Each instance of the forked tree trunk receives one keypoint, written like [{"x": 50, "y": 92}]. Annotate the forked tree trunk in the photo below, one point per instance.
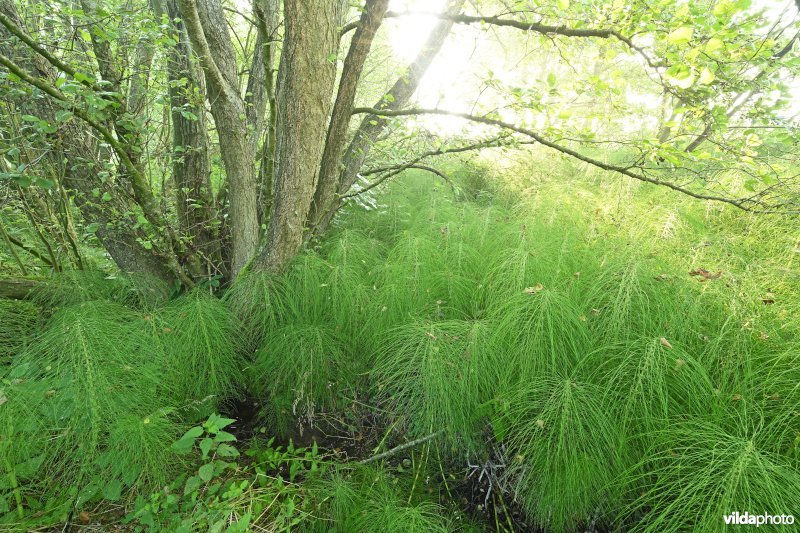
[
  {"x": 306, "y": 79},
  {"x": 207, "y": 28},
  {"x": 372, "y": 127},
  {"x": 371, "y": 19}
]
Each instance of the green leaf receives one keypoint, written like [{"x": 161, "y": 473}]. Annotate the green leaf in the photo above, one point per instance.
[
  {"x": 106, "y": 196},
  {"x": 224, "y": 436},
  {"x": 81, "y": 77},
  {"x": 551, "y": 80},
  {"x": 113, "y": 490},
  {"x": 206, "y": 472},
  {"x": 185, "y": 443},
  {"x": 44, "y": 183},
  {"x": 205, "y": 446},
  {"x": 192, "y": 484},
  {"x": 680, "y": 36},
  {"x": 713, "y": 45},
  {"x": 226, "y": 450},
  {"x": 706, "y": 77},
  {"x": 63, "y": 116},
  {"x": 563, "y": 4},
  {"x": 680, "y": 76},
  {"x": 92, "y": 228}
]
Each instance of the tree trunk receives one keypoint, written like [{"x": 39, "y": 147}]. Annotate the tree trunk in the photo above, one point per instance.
[
  {"x": 372, "y": 126},
  {"x": 267, "y": 17},
  {"x": 208, "y": 32},
  {"x": 190, "y": 167},
  {"x": 371, "y": 19},
  {"x": 306, "y": 80}
]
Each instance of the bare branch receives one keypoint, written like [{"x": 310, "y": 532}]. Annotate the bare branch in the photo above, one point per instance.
[
  {"x": 544, "y": 29},
  {"x": 400, "y": 448},
  {"x": 491, "y": 143},
  {"x": 626, "y": 171}
]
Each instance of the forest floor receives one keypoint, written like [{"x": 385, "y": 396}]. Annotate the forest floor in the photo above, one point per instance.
[{"x": 583, "y": 360}]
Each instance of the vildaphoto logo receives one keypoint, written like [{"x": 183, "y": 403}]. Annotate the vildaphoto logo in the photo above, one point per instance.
[{"x": 747, "y": 519}]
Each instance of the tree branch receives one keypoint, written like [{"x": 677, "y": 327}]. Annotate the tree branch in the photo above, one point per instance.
[
  {"x": 400, "y": 448},
  {"x": 544, "y": 29},
  {"x": 626, "y": 171},
  {"x": 492, "y": 143},
  {"x": 31, "y": 250},
  {"x": 194, "y": 28}
]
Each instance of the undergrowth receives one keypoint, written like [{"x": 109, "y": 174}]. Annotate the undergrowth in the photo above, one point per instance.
[{"x": 609, "y": 358}]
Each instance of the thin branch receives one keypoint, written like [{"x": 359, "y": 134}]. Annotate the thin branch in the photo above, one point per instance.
[
  {"x": 400, "y": 448},
  {"x": 626, "y": 171},
  {"x": 31, "y": 250},
  {"x": 491, "y": 143},
  {"x": 435, "y": 171},
  {"x": 537, "y": 27}
]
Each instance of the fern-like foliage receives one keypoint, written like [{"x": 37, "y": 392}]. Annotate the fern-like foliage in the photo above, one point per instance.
[
  {"x": 438, "y": 374},
  {"x": 565, "y": 450},
  {"x": 648, "y": 382},
  {"x": 73, "y": 393},
  {"x": 697, "y": 473},
  {"x": 541, "y": 330},
  {"x": 199, "y": 340},
  {"x": 76, "y": 286},
  {"x": 361, "y": 498},
  {"x": 17, "y": 322},
  {"x": 256, "y": 301},
  {"x": 299, "y": 371}
]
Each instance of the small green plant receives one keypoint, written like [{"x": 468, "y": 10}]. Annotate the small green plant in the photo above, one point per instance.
[
  {"x": 200, "y": 499},
  {"x": 299, "y": 370},
  {"x": 221, "y": 495},
  {"x": 437, "y": 374},
  {"x": 198, "y": 336},
  {"x": 696, "y": 473}
]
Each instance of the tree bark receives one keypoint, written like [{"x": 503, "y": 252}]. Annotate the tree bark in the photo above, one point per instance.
[
  {"x": 305, "y": 87},
  {"x": 267, "y": 13},
  {"x": 399, "y": 95},
  {"x": 371, "y": 19},
  {"x": 208, "y": 32},
  {"x": 190, "y": 167}
]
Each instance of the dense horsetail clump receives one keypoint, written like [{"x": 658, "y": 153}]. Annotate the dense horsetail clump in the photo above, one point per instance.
[{"x": 616, "y": 388}]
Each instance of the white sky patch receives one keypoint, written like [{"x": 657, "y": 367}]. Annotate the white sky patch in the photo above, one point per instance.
[
  {"x": 454, "y": 79},
  {"x": 443, "y": 84}
]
